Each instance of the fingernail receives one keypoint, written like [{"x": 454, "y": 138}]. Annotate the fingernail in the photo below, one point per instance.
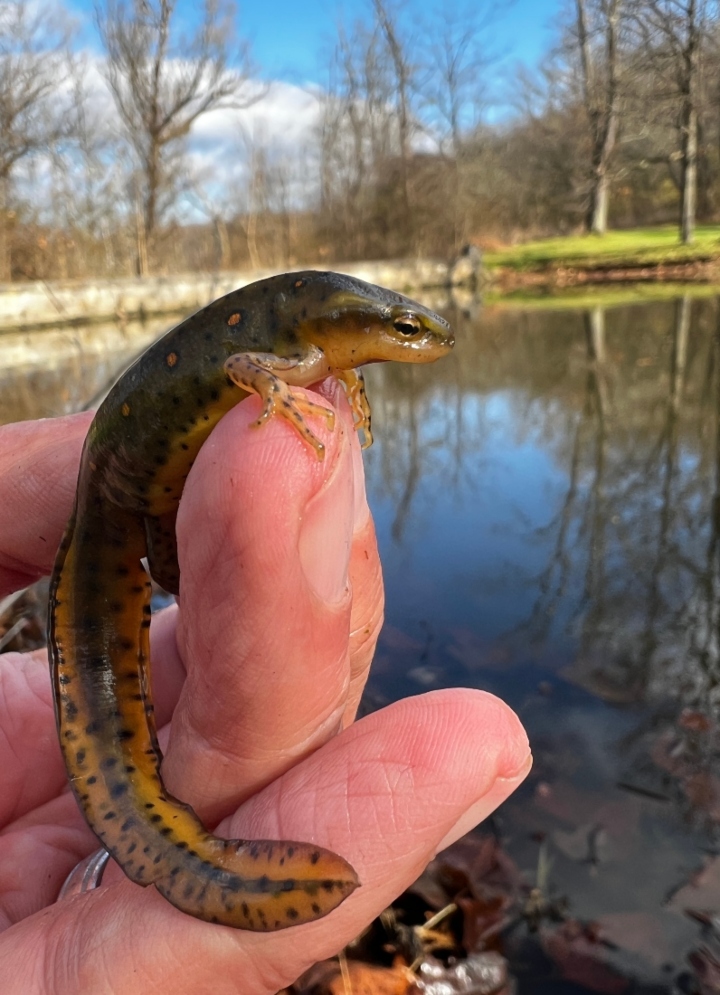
[
  {"x": 361, "y": 509},
  {"x": 327, "y": 528},
  {"x": 501, "y": 790}
]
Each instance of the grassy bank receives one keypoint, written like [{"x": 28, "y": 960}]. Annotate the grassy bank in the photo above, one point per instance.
[
  {"x": 637, "y": 247},
  {"x": 599, "y": 295}
]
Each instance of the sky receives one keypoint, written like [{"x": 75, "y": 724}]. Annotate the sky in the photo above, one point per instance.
[
  {"x": 291, "y": 43},
  {"x": 287, "y": 43},
  {"x": 290, "y": 40}
]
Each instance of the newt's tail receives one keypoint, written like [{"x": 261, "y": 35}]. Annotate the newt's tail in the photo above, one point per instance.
[{"x": 99, "y": 646}]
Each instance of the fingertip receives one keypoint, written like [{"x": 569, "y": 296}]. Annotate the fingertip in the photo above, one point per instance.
[
  {"x": 493, "y": 724},
  {"x": 464, "y": 729}
]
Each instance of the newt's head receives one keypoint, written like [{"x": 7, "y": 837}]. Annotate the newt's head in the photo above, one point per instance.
[{"x": 354, "y": 322}]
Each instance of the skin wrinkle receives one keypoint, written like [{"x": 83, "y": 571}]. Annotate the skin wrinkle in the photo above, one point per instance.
[
  {"x": 7, "y": 743},
  {"x": 59, "y": 811},
  {"x": 215, "y": 738},
  {"x": 48, "y": 847},
  {"x": 426, "y": 759},
  {"x": 18, "y": 684},
  {"x": 221, "y": 758},
  {"x": 291, "y": 795},
  {"x": 168, "y": 961}
]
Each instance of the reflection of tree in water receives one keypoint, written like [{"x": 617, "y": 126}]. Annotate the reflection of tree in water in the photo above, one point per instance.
[
  {"x": 430, "y": 420},
  {"x": 627, "y": 404},
  {"x": 419, "y": 421},
  {"x": 668, "y": 539},
  {"x": 51, "y": 372},
  {"x": 633, "y": 568},
  {"x": 612, "y": 566}
]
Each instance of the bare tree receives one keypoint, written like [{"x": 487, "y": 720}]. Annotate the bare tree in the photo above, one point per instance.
[
  {"x": 359, "y": 144},
  {"x": 454, "y": 87},
  {"x": 601, "y": 95},
  {"x": 34, "y": 66},
  {"x": 673, "y": 33},
  {"x": 162, "y": 84},
  {"x": 404, "y": 80}
]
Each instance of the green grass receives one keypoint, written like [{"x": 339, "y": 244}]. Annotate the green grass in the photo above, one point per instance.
[
  {"x": 605, "y": 296},
  {"x": 638, "y": 246}
]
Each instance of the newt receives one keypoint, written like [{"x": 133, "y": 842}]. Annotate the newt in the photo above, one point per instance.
[{"x": 267, "y": 338}]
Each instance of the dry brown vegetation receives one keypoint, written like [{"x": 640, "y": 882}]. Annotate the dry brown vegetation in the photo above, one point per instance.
[{"x": 620, "y": 127}]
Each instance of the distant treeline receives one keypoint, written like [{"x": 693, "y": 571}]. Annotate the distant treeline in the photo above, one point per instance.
[{"x": 619, "y": 127}]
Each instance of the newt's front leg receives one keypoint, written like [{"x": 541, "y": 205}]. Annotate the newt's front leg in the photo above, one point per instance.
[{"x": 261, "y": 373}]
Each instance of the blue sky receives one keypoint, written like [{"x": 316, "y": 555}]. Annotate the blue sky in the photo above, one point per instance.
[
  {"x": 289, "y": 37},
  {"x": 285, "y": 42}
]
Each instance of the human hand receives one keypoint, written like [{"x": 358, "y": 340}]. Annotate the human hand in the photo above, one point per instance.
[{"x": 260, "y": 668}]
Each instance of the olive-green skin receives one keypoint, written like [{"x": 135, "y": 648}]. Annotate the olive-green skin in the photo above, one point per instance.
[{"x": 137, "y": 455}]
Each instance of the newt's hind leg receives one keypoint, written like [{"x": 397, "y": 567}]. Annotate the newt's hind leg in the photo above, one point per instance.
[{"x": 249, "y": 372}]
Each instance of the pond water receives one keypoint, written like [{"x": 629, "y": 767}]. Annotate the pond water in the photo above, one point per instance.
[{"x": 548, "y": 508}]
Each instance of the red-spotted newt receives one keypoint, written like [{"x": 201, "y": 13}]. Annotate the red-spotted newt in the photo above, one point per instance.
[{"x": 287, "y": 331}]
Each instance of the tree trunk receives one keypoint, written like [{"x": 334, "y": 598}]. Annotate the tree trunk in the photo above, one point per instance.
[
  {"x": 141, "y": 258},
  {"x": 599, "y": 204},
  {"x": 402, "y": 83},
  {"x": 602, "y": 110},
  {"x": 5, "y": 267},
  {"x": 223, "y": 242},
  {"x": 689, "y": 125},
  {"x": 689, "y": 172}
]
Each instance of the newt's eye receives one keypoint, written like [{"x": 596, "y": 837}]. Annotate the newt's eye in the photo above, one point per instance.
[{"x": 408, "y": 324}]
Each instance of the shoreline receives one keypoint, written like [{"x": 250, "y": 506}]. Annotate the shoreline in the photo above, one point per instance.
[
  {"x": 503, "y": 279},
  {"x": 531, "y": 269},
  {"x": 32, "y": 306}
]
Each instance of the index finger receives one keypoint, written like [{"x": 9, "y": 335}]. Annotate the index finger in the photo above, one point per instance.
[{"x": 39, "y": 462}]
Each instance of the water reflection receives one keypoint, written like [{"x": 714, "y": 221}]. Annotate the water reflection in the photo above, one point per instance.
[
  {"x": 548, "y": 503},
  {"x": 569, "y": 464},
  {"x": 57, "y": 371}
]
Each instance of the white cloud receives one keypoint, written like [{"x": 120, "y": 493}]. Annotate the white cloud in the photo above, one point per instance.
[
  {"x": 281, "y": 122},
  {"x": 283, "y": 117}
]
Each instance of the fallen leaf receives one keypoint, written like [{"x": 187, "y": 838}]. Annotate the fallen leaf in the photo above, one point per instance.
[
  {"x": 702, "y": 890},
  {"x": 579, "y": 957}
]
